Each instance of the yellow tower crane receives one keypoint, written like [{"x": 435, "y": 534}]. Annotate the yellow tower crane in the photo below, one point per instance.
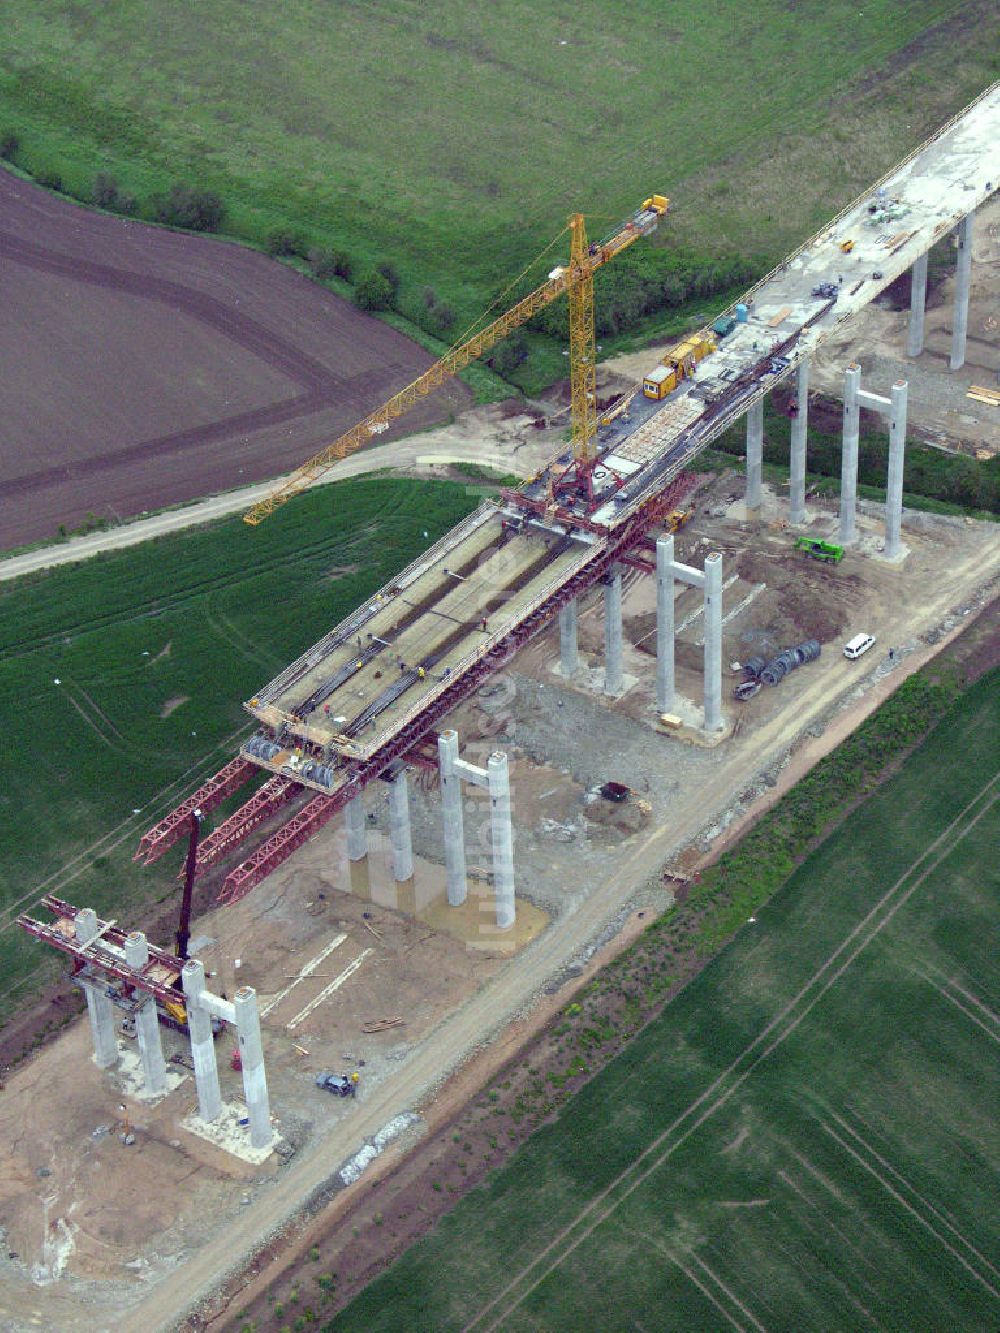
[{"x": 576, "y": 279}]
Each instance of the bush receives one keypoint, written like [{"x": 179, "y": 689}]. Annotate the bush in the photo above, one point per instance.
[
  {"x": 194, "y": 210},
  {"x": 49, "y": 179},
  {"x": 509, "y": 354},
  {"x": 329, "y": 263},
  {"x": 442, "y": 317},
  {"x": 374, "y": 291},
  {"x": 284, "y": 242},
  {"x": 390, "y": 273},
  {"x": 105, "y": 193},
  {"x": 9, "y": 144}
]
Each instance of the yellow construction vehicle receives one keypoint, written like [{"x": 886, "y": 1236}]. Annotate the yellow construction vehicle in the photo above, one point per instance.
[
  {"x": 678, "y": 518},
  {"x": 576, "y": 280}
]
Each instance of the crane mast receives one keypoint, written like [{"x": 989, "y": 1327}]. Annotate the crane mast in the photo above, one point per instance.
[
  {"x": 577, "y": 280},
  {"x": 582, "y": 346}
]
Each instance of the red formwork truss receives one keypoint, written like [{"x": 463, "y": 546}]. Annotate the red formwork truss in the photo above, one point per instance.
[
  {"x": 159, "y": 839},
  {"x": 311, "y": 818},
  {"x": 268, "y": 800}
]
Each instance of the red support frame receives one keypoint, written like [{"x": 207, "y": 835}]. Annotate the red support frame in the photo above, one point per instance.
[
  {"x": 91, "y": 955},
  {"x": 162, "y": 836}
]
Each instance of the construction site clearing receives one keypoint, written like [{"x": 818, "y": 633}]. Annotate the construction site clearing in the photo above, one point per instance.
[
  {"x": 339, "y": 952},
  {"x": 379, "y": 964}
]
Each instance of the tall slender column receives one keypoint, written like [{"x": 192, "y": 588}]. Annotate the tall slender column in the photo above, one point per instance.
[
  {"x": 100, "y": 1010},
  {"x": 849, "y": 457},
  {"x": 963, "y": 277},
  {"x": 713, "y": 641},
  {"x": 357, "y": 829},
  {"x": 918, "y": 297},
  {"x": 894, "y": 486},
  {"x": 755, "y": 454},
  {"x": 613, "y": 671},
  {"x": 252, "y": 1061},
  {"x": 399, "y": 828},
  {"x": 665, "y": 679},
  {"x": 797, "y": 461},
  {"x": 501, "y": 837},
  {"x": 453, "y": 818},
  {"x": 569, "y": 653},
  {"x": 147, "y": 1026},
  {"x": 206, "y": 1073}
]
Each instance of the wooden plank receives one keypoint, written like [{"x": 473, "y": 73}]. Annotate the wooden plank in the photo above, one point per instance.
[
  {"x": 780, "y": 317},
  {"x": 993, "y": 395}
]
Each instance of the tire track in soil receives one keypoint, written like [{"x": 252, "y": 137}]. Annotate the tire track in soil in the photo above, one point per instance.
[
  {"x": 321, "y": 387},
  {"x": 600, "y": 1208}
]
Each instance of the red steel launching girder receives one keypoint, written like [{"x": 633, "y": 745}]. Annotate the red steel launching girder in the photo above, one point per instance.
[
  {"x": 279, "y": 846},
  {"x": 61, "y": 935},
  {"x": 311, "y": 818},
  {"x": 276, "y": 792},
  {"x": 157, "y": 840}
]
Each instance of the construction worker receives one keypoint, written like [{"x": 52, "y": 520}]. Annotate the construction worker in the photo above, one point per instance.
[
  {"x": 421, "y": 673},
  {"x": 355, "y": 1080}
]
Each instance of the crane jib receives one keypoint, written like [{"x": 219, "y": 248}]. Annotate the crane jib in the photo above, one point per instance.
[{"x": 575, "y": 275}]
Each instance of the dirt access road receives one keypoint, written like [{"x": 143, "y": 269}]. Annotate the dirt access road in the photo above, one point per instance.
[
  {"x": 144, "y": 367},
  {"x": 488, "y": 436}
]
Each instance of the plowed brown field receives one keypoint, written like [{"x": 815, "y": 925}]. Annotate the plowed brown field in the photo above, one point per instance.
[{"x": 141, "y": 367}]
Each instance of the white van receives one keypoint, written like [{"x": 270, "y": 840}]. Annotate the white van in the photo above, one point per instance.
[{"x": 854, "y": 648}]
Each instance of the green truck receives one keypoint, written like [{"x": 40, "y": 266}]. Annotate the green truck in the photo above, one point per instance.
[{"x": 819, "y": 550}]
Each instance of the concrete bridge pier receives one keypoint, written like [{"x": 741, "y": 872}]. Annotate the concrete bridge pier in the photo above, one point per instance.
[
  {"x": 797, "y": 460},
  {"x": 665, "y": 675},
  {"x": 849, "y": 457},
  {"x": 894, "y": 485},
  {"x": 709, "y": 581},
  {"x": 893, "y": 407},
  {"x": 713, "y": 642},
  {"x": 963, "y": 281},
  {"x": 755, "y": 455},
  {"x": 918, "y": 297},
  {"x": 357, "y": 829},
  {"x": 453, "y": 818},
  {"x": 147, "y": 1025},
  {"x": 399, "y": 828},
  {"x": 613, "y": 667},
  {"x": 501, "y": 835},
  {"x": 252, "y": 1060},
  {"x": 569, "y": 653},
  {"x": 100, "y": 1010},
  {"x": 495, "y": 778},
  {"x": 206, "y": 1071}
]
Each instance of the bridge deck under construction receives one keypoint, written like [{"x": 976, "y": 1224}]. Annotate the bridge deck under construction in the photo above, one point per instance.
[
  {"x": 352, "y": 691},
  {"x": 377, "y": 684}
]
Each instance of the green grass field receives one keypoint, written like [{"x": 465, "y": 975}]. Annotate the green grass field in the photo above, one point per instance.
[
  {"x": 154, "y": 649},
  {"x": 454, "y": 140},
  {"x": 806, "y": 1138}
]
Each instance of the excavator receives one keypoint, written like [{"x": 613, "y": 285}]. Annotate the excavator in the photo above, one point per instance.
[{"x": 576, "y": 280}]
